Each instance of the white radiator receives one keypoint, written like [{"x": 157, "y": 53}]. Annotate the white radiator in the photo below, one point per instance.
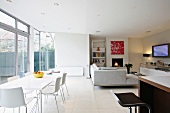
[{"x": 71, "y": 71}]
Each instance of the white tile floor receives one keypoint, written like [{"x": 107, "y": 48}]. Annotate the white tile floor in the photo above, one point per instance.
[{"x": 84, "y": 99}]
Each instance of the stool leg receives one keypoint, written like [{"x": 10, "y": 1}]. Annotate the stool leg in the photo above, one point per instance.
[
  {"x": 135, "y": 109},
  {"x": 130, "y": 109}
]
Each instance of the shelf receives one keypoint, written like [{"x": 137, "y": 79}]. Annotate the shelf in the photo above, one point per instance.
[
  {"x": 99, "y": 52},
  {"x": 98, "y": 57}
]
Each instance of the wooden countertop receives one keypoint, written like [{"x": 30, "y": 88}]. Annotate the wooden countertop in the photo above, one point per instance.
[{"x": 161, "y": 82}]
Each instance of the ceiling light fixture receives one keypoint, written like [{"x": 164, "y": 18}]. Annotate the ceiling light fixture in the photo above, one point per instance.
[
  {"x": 8, "y": 0},
  {"x": 147, "y": 31},
  {"x": 68, "y": 28},
  {"x": 43, "y": 13},
  {"x": 56, "y": 4}
]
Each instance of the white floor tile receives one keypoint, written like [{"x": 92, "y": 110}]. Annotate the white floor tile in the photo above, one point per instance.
[{"x": 84, "y": 99}]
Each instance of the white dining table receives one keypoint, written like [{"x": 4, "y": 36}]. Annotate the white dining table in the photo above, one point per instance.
[{"x": 32, "y": 83}]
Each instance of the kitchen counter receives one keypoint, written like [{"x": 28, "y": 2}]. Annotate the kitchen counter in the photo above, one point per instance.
[{"x": 155, "y": 90}]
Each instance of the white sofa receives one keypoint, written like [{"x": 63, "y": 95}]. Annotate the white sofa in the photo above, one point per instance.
[{"x": 110, "y": 76}]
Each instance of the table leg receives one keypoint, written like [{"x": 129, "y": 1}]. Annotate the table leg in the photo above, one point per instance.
[{"x": 40, "y": 101}]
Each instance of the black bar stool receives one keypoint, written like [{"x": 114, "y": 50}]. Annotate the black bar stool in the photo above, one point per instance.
[{"x": 130, "y": 100}]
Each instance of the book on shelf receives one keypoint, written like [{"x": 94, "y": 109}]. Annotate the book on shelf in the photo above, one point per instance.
[
  {"x": 102, "y": 55},
  {"x": 94, "y": 55},
  {"x": 97, "y": 54}
]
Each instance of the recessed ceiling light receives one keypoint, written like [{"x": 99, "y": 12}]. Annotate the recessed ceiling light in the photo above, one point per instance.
[
  {"x": 8, "y": 0},
  {"x": 147, "y": 31},
  {"x": 43, "y": 13},
  {"x": 149, "y": 15},
  {"x": 56, "y": 4},
  {"x": 97, "y": 31},
  {"x": 68, "y": 28},
  {"x": 133, "y": 7}
]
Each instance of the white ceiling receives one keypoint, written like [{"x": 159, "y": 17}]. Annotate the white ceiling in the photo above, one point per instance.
[{"x": 113, "y": 18}]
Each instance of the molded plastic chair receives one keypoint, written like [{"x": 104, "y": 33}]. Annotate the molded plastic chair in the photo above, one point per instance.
[
  {"x": 53, "y": 90},
  {"x": 13, "y": 78},
  {"x": 14, "y": 97},
  {"x": 64, "y": 82},
  {"x": 28, "y": 74}
]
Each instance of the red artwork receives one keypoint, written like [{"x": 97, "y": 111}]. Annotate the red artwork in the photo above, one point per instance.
[{"x": 117, "y": 47}]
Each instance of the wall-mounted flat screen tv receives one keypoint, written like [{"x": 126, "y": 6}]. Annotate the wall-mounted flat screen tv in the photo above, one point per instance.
[{"x": 161, "y": 50}]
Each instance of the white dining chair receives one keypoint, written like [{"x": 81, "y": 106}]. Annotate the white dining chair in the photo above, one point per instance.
[
  {"x": 64, "y": 82},
  {"x": 28, "y": 74},
  {"x": 18, "y": 77},
  {"x": 53, "y": 90},
  {"x": 13, "y": 78},
  {"x": 14, "y": 97}
]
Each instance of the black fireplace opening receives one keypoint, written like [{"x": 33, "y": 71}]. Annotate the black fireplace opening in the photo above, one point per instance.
[{"x": 117, "y": 62}]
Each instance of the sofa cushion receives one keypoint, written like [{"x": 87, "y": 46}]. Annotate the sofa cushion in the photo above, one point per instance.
[
  {"x": 131, "y": 79},
  {"x": 95, "y": 66},
  {"x": 108, "y": 68}
]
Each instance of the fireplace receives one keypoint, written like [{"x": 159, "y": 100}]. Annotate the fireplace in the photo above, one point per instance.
[{"x": 117, "y": 62}]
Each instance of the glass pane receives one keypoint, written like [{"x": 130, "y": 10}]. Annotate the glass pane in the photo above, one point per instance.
[
  {"x": 22, "y": 55},
  {"x": 36, "y": 40},
  {"x": 43, "y": 51},
  {"x": 47, "y": 51},
  {"x": 22, "y": 26},
  {"x": 7, "y": 53},
  {"x": 7, "y": 19},
  {"x": 36, "y": 50}
]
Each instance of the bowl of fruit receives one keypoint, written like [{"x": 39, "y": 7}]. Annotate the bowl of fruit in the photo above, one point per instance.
[{"x": 38, "y": 74}]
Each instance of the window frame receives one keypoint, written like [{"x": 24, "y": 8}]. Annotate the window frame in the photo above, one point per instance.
[{"x": 17, "y": 32}]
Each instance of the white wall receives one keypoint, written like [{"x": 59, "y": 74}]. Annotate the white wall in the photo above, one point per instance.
[
  {"x": 160, "y": 38},
  {"x": 135, "y": 52},
  {"x": 72, "y": 50},
  {"x": 108, "y": 51}
]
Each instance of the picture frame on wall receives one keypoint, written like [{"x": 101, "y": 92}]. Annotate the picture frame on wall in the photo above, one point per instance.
[{"x": 117, "y": 47}]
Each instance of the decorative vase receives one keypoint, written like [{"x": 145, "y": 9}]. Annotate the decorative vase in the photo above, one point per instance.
[
  {"x": 128, "y": 70},
  {"x": 98, "y": 49}
]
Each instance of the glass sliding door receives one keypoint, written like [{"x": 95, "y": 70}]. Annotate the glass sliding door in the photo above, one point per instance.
[
  {"x": 36, "y": 50},
  {"x": 22, "y": 55},
  {"x": 44, "y": 52},
  {"x": 14, "y": 35},
  {"x": 7, "y": 53},
  {"x": 47, "y": 51}
]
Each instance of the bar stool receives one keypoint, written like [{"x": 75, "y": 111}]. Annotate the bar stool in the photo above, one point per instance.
[{"x": 130, "y": 100}]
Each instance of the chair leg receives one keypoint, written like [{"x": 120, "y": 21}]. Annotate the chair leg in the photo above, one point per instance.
[
  {"x": 66, "y": 89},
  {"x": 130, "y": 109},
  {"x": 56, "y": 102},
  {"x": 135, "y": 109},
  {"x": 62, "y": 96},
  {"x": 25, "y": 108},
  {"x": 4, "y": 110},
  {"x": 63, "y": 93}
]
